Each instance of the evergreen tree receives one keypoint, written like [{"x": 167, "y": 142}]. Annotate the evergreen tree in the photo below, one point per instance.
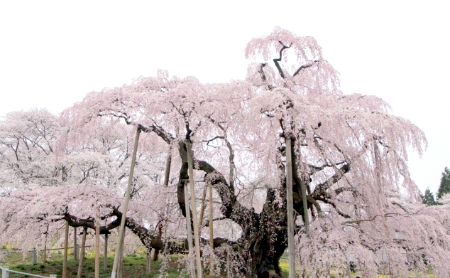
[
  {"x": 428, "y": 198},
  {"x": 445, "y": 183}
]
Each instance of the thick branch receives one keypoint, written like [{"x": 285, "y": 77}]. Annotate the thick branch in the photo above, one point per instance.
[
  {"x": 230, "y": 207},
  {"x": 167, "y": 137},
  {"x": 350, "y": 189},
  {"x": 89, "y": 223},
  {"x": 334, "y": 206},
  {"x": 144, "y": 234},
  {"x": 261, "y": 72},
  {"x": 276, "y": 60},
  {"x": 304, "y": 67},
  {"x": 391, "y": 214},
  {"x": 321, "y": 189}
]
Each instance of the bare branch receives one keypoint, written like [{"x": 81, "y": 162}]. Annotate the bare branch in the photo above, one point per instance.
[
  {"x": 261, "y": 72},
  {"x": 215, "y": 219},
  {"x": 389, "y": 214},
  {"x": 334, "y": 206},
  {"x": 321, "y": 188},
  {"x": 276, "y": 60},
  {"x": 210, "y": 140},
  {"x": 304, "y": 67},
  {"x": 343, "y": 189}
]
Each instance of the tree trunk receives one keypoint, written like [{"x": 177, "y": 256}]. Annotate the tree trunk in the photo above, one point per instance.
[
  {"x": 264, "y": 236},
  {"x": 265, "y": 239}
]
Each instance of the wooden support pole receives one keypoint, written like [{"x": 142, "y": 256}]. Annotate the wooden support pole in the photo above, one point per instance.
[
  {"x": 164, "y": 217},
  {"x": 105, "y": 252},
  {"x": 228, "y": 262},
  {"x": 202, "y": 208},
  {"x": 148, "y": 265},
  {"x": 305, "y": 206},
  {"x": 75, "y": 246},
  {"x": 66, "y": 243},
  {"x": 34, "y": 256},
  {"x": 290, "y": 208},
  {"x": 125, "y": 206},
  {"x": 97, "y": 245},
  {"x": 189, "y": 231},
  {"x": 194, "y": 209},
  {"x": 120, "y": 266},
  {"x": 211, "y": 230},
  {"x": 167, "y": 170},
  {"x": 83, "y": 246},
  {"x": 45, "y": 248}
]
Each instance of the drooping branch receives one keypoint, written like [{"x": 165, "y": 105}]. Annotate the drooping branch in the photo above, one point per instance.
[{"x": 316, "y": 205}]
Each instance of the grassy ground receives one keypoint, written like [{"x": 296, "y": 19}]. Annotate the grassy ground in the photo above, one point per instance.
[{"x": 134, "y": 266}]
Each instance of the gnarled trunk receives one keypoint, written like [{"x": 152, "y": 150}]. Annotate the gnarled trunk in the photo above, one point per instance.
[{"x": 264, "y": 237}]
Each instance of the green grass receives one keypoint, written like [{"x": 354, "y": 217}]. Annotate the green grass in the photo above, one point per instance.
[{"x": 134, "y": 266}]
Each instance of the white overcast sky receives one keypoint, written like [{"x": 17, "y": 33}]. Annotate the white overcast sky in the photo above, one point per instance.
[{"x": 54, "y": 52}]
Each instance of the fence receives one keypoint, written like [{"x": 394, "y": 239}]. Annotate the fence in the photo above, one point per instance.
[{"x": 6, "y": 271}]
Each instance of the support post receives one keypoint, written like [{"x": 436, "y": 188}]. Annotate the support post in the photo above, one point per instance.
[
  {"x": 189, "y": 232},
  {"x": 75, "y": 245},
  {"x": 290, "y": 210},
  {"x": 228, "y": 262},
  {"x": 97, "y": 245},
  {"x": 66, "y": 243},
  {"x": 105, "y": 252},
  {"x": 120, "y": 266},
  {"x": 202, "y": 208},
  {"x": 162, "y": 221},
  {"x": 45, "y": 250},
  {"x": 211, "y": 230},
  {"x": 148, "y": 265},
  {"x": 83, "y": 246},
  {"x": 125, "y": 206},
  {"x": 194, "y": 209},
  {"x": 34, "y": 257}
]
